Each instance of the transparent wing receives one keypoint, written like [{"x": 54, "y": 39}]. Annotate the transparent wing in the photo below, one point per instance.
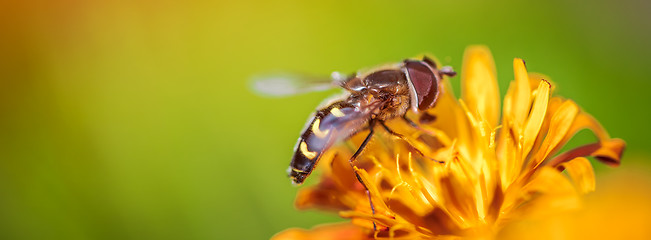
[{"x": 285, "y": 84}]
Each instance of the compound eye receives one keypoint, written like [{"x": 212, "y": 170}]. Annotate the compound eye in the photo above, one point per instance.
[{"x": 423, "y": 84}]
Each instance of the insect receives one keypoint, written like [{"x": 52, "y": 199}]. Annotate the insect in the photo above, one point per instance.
[{"x": 371, "y": 98}]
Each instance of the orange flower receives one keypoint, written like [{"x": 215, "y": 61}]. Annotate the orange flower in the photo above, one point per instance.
[{"x": 494, "y": 172}]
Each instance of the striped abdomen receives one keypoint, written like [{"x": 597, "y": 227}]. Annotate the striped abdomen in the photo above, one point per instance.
[{"x": 336, "y": 122}]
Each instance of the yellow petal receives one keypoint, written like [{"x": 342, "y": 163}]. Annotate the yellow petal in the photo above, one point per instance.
[
  {"x": 535, "y": 78},
  {"x": 479, "y": 87},
  {"x": 507, "y": 143},
  {"x": 457, "y": 187},
  {"x": 559, "y": 126},
  {"x": 549, "y": 192},
  {"x": 609, "y": 152},
  {"x": 449, "y": 116},
  {"x": 367, "y": 219},
  {"x": 536, "y": 117},
  {"x": 496, "y": 203},
  {"x": 564, "y": 124},
  {"x": 583, "y": 121},
  {"x": 619, "y": 209},
  {"x": 580, "y": 170},
  {"x": 521, "y": 102},
  {"x": 338, "y": 170},
  {"x": 376, "y": 197},
  {"x": 332, "y": 193},
  {"x": 552, "y": 107}
]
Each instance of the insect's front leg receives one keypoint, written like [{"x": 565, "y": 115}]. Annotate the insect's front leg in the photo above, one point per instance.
[
  {"x": 354, "y": 158},
  {"x": 425, "y": 118},
  {"x": 402, "y": 137},
  {"x": 410, "y": 122},
  {"x": 371, "y": 126}
]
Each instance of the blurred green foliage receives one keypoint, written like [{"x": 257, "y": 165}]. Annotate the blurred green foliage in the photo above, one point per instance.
[{"x": 133, "y": 119}]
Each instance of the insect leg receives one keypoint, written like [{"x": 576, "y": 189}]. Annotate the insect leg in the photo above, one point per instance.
[
  {"x": 416, "y": 126},
  {"x": 368, "y": 194},
  {"x": 398, "y": 135},
  {"x": 359, "y": 178},
  {"x": 410, "y": 122},
  {"x": 363, "y": 145}
]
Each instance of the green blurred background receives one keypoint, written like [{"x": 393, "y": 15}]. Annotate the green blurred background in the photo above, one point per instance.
[{"x": 133, "y": 119}]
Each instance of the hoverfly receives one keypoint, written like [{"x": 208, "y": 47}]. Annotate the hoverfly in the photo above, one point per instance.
[{"x": 371, "y": 98}]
